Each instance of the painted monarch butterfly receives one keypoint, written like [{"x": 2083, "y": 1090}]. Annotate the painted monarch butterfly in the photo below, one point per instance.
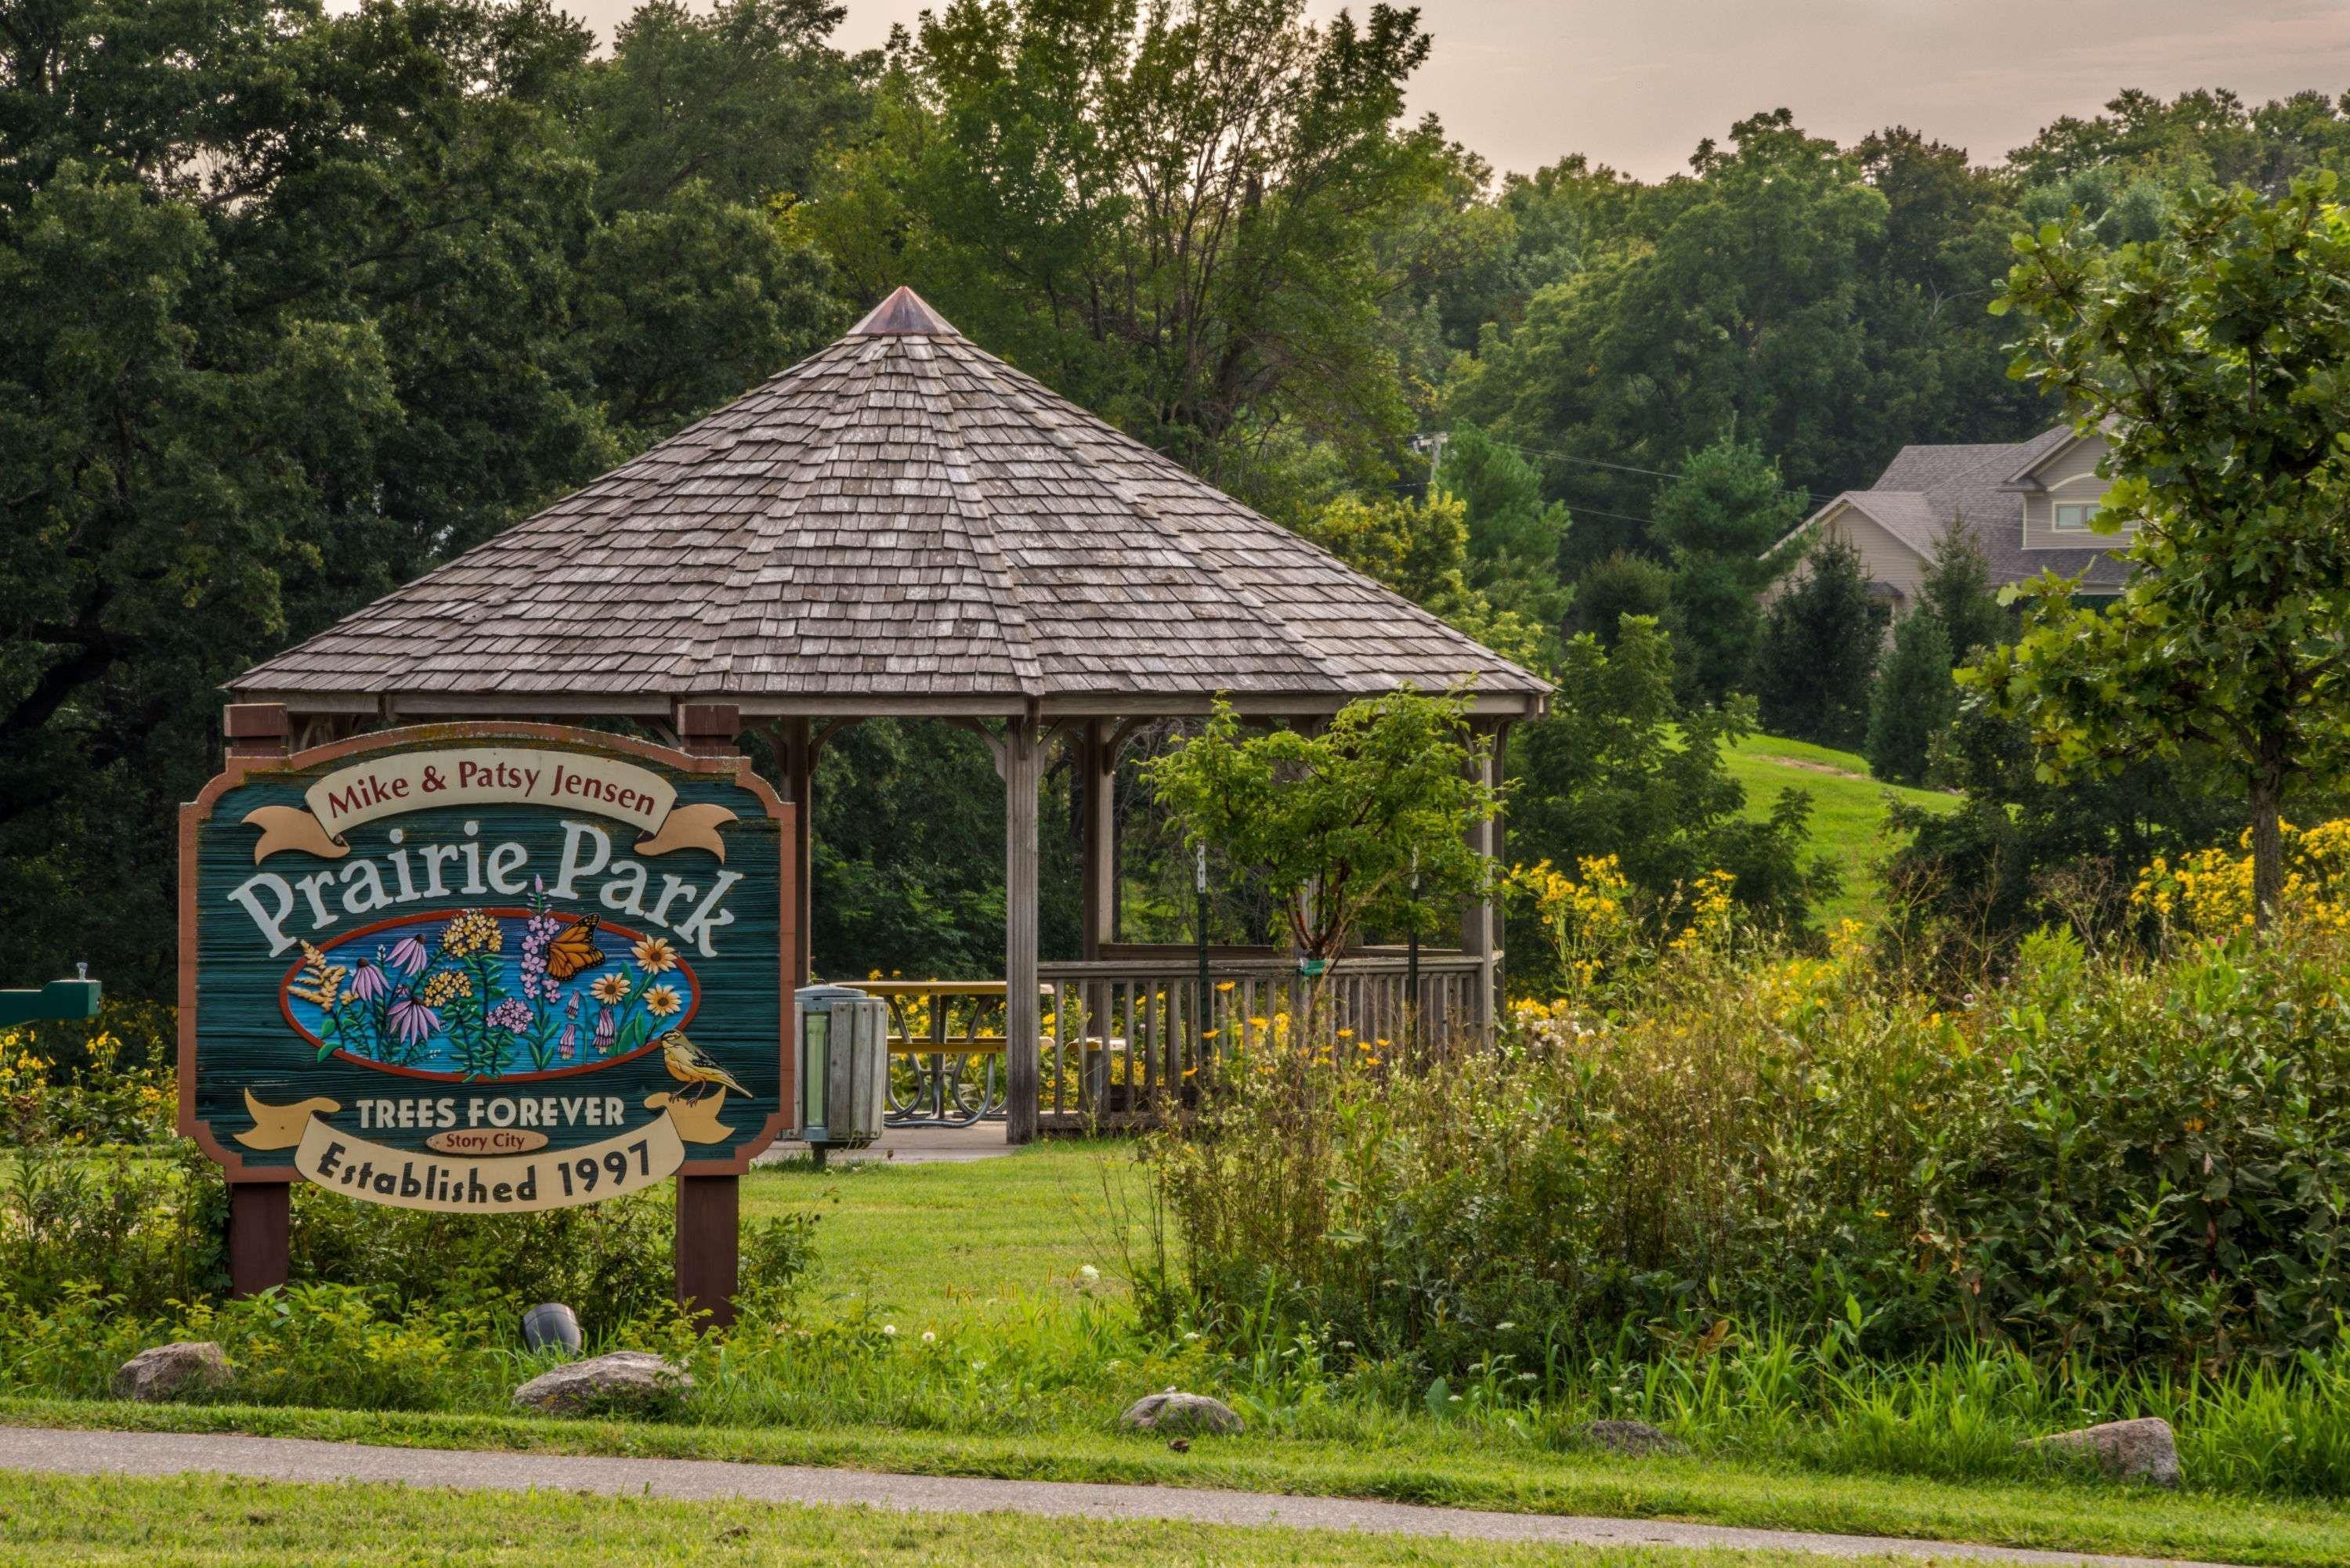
[{"x": 573, "y": 949}]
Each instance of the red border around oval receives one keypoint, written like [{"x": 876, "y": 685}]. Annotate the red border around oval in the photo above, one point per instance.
[{"x": 503, "y": 911}]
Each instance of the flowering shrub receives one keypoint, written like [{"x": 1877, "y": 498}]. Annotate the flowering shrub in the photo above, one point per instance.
[
  {"x": 2208, "y": 892},
  {"x": 118, "y": 1087},
  {"x": 2124, "y": 1160}
]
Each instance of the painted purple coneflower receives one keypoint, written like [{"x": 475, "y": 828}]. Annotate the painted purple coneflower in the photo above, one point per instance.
[
  {"x": 409, "y": 956},
  {"x": 368, "y": 983},
  {"x": 411, "y": 1020}
]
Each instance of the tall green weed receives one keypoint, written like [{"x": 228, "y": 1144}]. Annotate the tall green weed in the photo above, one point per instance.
[{"x": 2126, "y": 1162}]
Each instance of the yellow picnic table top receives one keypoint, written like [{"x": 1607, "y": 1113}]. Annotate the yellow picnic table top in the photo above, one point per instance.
[
  {"x": 904, "y": 1044},
  {"x": 892, "y": 988}
]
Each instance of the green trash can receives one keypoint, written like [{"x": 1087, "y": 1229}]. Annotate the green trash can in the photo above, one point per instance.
[{"x": 844, "y": 1068}]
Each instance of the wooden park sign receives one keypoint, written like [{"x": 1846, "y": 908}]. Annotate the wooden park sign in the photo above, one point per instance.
[{"x": 484, "y": 968}]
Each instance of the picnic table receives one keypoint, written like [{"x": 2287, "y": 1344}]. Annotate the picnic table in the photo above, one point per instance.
[{"x": 946, "y": 1065}]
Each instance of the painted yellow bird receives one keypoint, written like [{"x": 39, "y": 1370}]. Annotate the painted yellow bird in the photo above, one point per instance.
[{"x": 690, "y": 1065}]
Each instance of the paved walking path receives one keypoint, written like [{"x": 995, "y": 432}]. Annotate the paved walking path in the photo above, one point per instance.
[{"x": 302, "y": 1459}]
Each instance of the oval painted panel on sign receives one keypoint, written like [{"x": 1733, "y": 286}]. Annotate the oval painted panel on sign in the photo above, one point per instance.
[{"x": 489, "y": 994}]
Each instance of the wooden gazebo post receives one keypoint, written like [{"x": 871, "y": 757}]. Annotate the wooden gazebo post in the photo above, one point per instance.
[{"x": 1022, "y": 753}]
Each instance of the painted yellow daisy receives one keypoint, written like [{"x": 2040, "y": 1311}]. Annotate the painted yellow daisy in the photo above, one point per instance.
[
  {"x": 654, "y": 955},
  {"x": 609, "y": 989},
  {"x": 663, "y": 1000}
]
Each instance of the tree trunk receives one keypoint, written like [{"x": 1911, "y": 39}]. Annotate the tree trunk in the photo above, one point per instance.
[{"x": 2268, "y": 848}]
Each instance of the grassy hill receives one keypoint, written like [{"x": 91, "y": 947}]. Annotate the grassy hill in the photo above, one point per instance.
[{"x": 1847, "y": 809}]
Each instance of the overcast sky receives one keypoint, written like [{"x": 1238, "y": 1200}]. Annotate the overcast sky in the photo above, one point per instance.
[{"x": 1635, "y": 83}]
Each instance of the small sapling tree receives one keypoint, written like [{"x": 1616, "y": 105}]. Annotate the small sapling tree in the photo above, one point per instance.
[
  {"x": 1340, "y": 823},
  {"x": 2218, "y": 358}
]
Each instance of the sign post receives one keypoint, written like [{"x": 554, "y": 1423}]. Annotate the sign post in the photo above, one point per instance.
[{"x": 487, "y": 968}]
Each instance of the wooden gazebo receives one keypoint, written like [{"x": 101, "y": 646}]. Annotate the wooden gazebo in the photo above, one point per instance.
[{"x": 900, "y": 525}]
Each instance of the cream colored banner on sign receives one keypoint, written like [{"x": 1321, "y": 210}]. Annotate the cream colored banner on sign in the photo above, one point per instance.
[
  {"x": 487, "y": 775},
  {"x": 512, "y": 1184}
]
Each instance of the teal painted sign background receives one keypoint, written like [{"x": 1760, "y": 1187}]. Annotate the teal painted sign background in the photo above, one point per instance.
[{"x": 519, "y": 957}]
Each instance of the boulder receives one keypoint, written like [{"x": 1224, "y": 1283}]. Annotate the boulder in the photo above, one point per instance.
[
  {"x": 1634, "y": 1439},
  {"x": 166, "y": 1372},
  {"x": 624, "y": 1380},
  {"x": 2144, "y": 1449},
  {"x": 1180, "y": 1414}
]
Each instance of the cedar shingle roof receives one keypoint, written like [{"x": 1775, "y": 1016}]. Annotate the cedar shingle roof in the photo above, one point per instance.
[{"x": 899, "y": 517}]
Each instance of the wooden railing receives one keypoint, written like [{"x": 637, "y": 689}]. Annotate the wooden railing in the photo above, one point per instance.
[{"x": 1127, "y": 1040}]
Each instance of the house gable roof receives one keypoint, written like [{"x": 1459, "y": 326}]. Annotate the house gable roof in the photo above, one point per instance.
[
  {"x": 900, "y": 519},
  {"x": 1928, "y": 487}
]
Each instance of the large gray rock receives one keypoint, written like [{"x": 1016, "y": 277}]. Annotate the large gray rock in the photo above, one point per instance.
[
  {"x": 1183, "y": 1414},
  {"x": 2144, "y": 1449},
  {"x": 623, "y": 1380},
  {"x": 1635, "y": 1439},
  {"x": 167, "y": 1371}
]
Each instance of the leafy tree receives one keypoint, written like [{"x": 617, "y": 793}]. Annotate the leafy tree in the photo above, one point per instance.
[
  {"x": 2021, "y": 851},
  {"x": 682, "y": 308},
  {"x": 2201, "y": 137},
  {"x": 1515, "y": 535},
  {"x": 1175, "y": 218},
  {"x": 1924, "y": 278},
  {"x": 909, "y": 857},
  {"x": 2216, "y": 358},
  {"x": 1620, "y": 585},
  {"x": 1739, "y": 303},
  {"x": 1816, "y": 659},
  {"x": 292, "y": 306},
  {"x": 1719, "y": 518},
  {"x": 745, "y": 99},
  {"x": 1957, "y": 589},
  {"x": 1340, "y": 822},
  {"x": 1420, "y": 549},
  {"x": 1622, "y": 767},
  {"x": 1915, "y": 699}
]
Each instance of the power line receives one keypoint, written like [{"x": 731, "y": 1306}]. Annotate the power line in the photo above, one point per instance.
[{"x": 1814, "y": 496}]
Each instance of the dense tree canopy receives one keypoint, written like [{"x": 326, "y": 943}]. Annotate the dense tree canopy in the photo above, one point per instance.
[
  {"x": 1173, "y": 214},
  {"x": 296, "y": 304},
  {"x": 292, "y": 306}
]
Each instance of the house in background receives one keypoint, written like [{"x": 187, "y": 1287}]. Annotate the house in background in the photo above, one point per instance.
[{"x": 2029, "y": 503}]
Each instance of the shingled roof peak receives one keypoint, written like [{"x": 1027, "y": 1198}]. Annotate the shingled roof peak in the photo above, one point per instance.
[
  {"x": 904, "y": 313},
  {"x": 900, "y": 524}
]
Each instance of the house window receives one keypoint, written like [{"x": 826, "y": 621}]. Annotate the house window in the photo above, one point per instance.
[{"x": 2072, "y": 516}]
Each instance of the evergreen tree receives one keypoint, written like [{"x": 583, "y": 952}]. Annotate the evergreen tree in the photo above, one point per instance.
[
  {"x": 1957, "y": 588},
  {"x": 1915, "y": 699},
  {"x": 1515, "y": 535},
  {"x": 1816, "y": 659},
  {"x": 1718, "y": 519},
  {"x": 1615, "y": 587}
]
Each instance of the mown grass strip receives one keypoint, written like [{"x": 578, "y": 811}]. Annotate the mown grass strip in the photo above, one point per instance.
[
  {"x": 222, "y": 1522},
  {"x": 2056, "y": 1515}
]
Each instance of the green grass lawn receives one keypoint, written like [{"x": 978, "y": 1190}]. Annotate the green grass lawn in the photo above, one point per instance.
[
  {"x": 199, "y": 1520},
  {"x": 933, "y": 1241},
  {"x": 1847, "y": 810},
  {"x": 992, "y": 1251}
]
